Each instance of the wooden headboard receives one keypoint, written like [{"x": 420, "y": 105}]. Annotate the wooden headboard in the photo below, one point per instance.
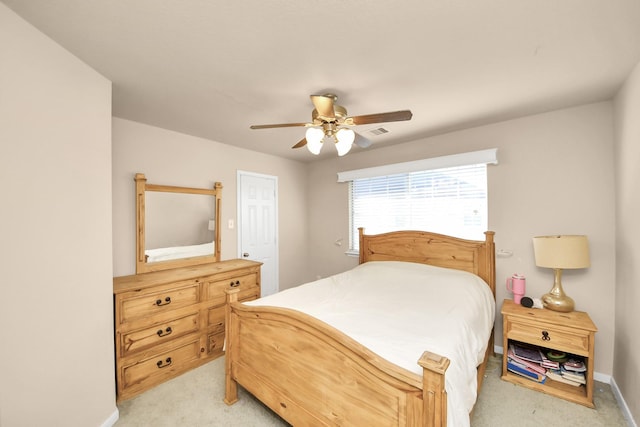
[{"x": 477, "y": 257}]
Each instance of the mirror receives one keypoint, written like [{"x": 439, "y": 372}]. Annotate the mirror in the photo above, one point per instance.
[{"x": 176, "y": 226}]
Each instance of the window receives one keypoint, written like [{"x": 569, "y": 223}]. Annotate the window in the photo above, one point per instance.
[{"x": 449, "y": 200}]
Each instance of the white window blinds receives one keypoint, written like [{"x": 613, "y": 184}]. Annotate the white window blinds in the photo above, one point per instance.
[{"x": 447, "y": 200}]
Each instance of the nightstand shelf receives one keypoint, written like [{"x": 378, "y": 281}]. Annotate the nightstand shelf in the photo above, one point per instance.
[{"x": 572, "y": 333}]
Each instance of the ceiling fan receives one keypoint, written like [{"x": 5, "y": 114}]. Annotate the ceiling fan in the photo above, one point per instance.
[{"x": 329, "y": 119}]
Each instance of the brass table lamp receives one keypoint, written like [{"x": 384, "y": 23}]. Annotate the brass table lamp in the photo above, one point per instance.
[{"x": 560, "y": 252}]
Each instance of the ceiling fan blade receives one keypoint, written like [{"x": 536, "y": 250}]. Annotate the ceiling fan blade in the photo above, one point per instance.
[
  {"x": 324, "y": 105},
  {"x": 279, "y": 125},
  {"x": 394, "y": 116},
  {"x": 301, "y": 143},
  {"x": 361, "y": 141}
]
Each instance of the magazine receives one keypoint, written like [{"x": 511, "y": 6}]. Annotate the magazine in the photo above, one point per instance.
[{"x": 531, "y": 354}]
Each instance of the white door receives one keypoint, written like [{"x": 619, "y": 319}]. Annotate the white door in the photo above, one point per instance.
[{"x": 257, "y": 228}]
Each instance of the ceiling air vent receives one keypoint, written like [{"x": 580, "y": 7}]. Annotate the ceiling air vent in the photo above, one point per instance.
[{"x": 379, "y": 131}]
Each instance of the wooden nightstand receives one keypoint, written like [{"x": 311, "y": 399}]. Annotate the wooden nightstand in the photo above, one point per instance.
[{"x": 572, "y": 333}]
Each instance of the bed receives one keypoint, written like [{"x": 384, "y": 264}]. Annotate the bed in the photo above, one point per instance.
[{"x": 317, "y": 369}]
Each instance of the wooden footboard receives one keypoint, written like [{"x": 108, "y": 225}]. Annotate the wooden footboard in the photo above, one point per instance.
[{"x": 313, "y": 375}]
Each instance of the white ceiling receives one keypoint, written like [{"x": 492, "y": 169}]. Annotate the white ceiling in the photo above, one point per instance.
[{"x": 212, "y": 68}]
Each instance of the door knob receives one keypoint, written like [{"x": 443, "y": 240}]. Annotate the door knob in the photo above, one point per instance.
[{"x": 246, "y": 255}]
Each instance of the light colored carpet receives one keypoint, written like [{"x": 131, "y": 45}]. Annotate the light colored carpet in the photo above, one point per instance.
[{"x": 195, "y": 400}]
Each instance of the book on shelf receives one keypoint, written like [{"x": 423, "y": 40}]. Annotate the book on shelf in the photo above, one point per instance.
[
  {"x": 574, "y": 365},
  {"x": 521, "y": 370},
  {"x": 578, "y": 377},
  {"x": 555, "y": 375},
  {"x": 530, "y": 353},
  {"x": 532, "y": 362},
  {"x": 549, "y": 363},
  {"x": 536, "y": 367}
]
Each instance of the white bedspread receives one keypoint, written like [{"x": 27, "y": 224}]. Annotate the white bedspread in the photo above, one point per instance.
[
  {"x": 176, "y": 252},
  {"x": 398, "y": 310}
]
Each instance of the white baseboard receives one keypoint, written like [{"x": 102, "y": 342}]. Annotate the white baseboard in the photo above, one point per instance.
[
  {"x": 112, "y": 420},
  {"x": 603, "y": 378},
  {"x": 607, "y": 379},
  {"x": 623, "y": 404}
]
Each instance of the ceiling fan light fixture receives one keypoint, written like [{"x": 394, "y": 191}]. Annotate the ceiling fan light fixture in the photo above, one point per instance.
[
  {"x": 314, "y": 138},
  {"x": 327, "y": 119},
  {"x": 344, "y": 141}
]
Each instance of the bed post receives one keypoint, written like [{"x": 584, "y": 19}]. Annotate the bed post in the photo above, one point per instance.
[
  {"x": 490, "y": 267},
  {"x": 231, "y": 386},
  {"x": 490, "y": 259},
  {"x": 361, "y": 246},
  {"x": 434, "y": 396}
]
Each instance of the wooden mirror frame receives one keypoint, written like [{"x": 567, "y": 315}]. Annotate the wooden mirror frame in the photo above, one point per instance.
[{"x": 142, "y": 266}]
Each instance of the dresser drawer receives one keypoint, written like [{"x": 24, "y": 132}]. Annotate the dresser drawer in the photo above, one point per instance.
[
  {"x": 249, "y": 294},
  {"x": 135, "y": 307},
  {"x": 548, "y": 336},
  {"x": 248, "y": 285},
  {"x": 158, "y": 334},
  {"x": 216, "y": 318},
  {"x": 215, "y": 345},
  {"x": 152, "y": 369}
]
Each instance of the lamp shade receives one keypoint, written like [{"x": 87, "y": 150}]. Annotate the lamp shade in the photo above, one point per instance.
[
  {"x": 314, "y": 138},
  {"x": 345, "y": 138},
  {"x": 564, "y": 251}
]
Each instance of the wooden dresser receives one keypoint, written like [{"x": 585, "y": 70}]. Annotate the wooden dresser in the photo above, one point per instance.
[{"x": 168, "y": 322}]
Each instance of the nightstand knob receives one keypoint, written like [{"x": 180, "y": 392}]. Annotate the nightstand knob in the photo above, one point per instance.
[{"x": 545, "y": 336}]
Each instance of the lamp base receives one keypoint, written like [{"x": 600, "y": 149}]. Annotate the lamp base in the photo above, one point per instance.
[
  {"x": 560, "y": 303},
  {"x": 556, "y": 299}
]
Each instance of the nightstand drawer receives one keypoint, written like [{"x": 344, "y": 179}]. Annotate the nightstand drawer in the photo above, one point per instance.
[{"x": 548, "y": 336}]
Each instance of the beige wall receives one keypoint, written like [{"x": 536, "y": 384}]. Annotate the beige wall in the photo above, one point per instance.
[
  {"x": 555, "y": 175},
  {"x": 56, "y": 366},
  {"x": 627, "y": 340},
  {"x": 173, "y": 158}
]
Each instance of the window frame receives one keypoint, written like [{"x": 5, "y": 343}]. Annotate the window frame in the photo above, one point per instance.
[{"x": 403, "y": 172}]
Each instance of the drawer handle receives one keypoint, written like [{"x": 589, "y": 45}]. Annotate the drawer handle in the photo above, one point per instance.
[
  {"x": 234, "y": 284},
  {"x": 164, "y": 333},
  {"x": 167, "y": 301},
  {"x": 164, "y": 364},
  {"x": 545, "y": 336}
]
